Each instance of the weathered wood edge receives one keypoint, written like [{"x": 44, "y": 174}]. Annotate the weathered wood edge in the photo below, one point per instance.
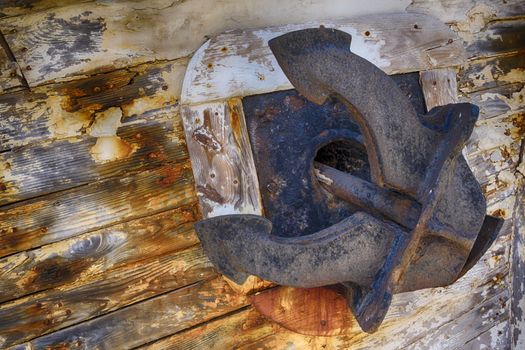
[
  {"x": 439, "y": 87},
  {"x": 224, "y": 67},
  {"x": 517, "y": 305}
]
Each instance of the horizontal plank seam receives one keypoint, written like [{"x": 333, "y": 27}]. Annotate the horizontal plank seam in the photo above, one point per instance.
[
  {"x": 129, "y": 173},
  {"x": 487, "y": 89},
  {"x": 90, "y": 319},
  {"x": 201, "y": 324},
  {"x": 86, "y": 76},
  {"x": 96, "y": 275},
  {"x": 154, "y": 212},
  {"x": 458, "y": 316}
]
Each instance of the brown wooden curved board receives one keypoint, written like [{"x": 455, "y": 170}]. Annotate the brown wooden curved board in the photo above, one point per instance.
[{"x": 318, "y": 311}]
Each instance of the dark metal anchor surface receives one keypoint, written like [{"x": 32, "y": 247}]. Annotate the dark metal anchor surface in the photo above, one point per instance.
[{"x": 410, "y": 216}]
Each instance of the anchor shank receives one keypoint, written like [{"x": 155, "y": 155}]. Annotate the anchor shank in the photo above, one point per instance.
[{"x": 368, "y": 196}]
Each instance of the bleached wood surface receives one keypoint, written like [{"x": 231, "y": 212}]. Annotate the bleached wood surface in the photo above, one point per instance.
[{"x": 240, "y": 63}]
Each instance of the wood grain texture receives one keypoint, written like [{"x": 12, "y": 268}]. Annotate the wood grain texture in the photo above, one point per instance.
[
  {"x": 463, "y": 12},
  {"x": 11, "y": 77},
  {"x": 10, "y": 8},
  {"x": 221, "y": 158},
  {"x": 313, "y": 311},
  {"x": 75, "y": 303},
  {"x": 55, "y": 217},
  {"x": 68, "y": 110},
  {"x": 496, "y": 338},
  {"x": 498, "y": 37},
  {"x": 101, "y": 36},
  {"x": 439, "y": 87},
  {"x": 113, "y": 278},
  {"x": 244, "y": 326},
  {"x": 146, "y": 142},
  {"x": 517, "y": 307},
  {"x": 159, "y": 316},
  {"x": 396, "y": 43},
  {"x": 488, "y": 73},
  {"x": 91, "y": 254}
]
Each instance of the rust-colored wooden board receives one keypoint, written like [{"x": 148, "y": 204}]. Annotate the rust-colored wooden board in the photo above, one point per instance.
[
  {"x": 319, "y": 311},
  {"x": 91, "y": 254},
  {"x": 146, "y": 142},
  {"x": 244, "y": 326},
  {"x": 58, "y": 216},
  {"x": 66, "y": 110},
  {"x": 81, "y": 300}
]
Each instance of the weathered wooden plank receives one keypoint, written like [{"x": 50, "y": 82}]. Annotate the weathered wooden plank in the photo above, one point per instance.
[
  {"x": 110, "y": 149},
  {"x": 222, "y": 159},
  {"x": 70, "y": 304},
  {"x": 75, "y": 40},
  {"x": 497, "y": 101},
  {"x": 11, "y": 8},
  {"x": 397, "y": 43},
  {"x": 147, "y": 321},
  {"x": 467, "y": 326},
  {"x": 10, "y": 74},
  {"x": 491, "y": 72},
  {"x": 472, "y": 13},
  {"x": 506, "y": 130},
  {"x": 439, "y": 87},
  {"x": 240, "y": 328},
  {"x": 91, "y": 254},
  {"x": 496, "y": 338},
  {"x": 496, "y": 38},
  {"x": 517, "y": 307},
  {"x": 67, "y": 110},
  {"x": 51, "y": 218}
]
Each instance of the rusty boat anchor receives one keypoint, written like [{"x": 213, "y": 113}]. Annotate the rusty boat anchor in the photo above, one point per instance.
[{"x": 419, "y": 221}]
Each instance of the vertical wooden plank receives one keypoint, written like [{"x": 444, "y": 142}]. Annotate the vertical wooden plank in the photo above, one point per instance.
[
  {"x": 222, "y": 159},
  {"x": 517, "y": 304},
  {"x": 439, "y": 87}
]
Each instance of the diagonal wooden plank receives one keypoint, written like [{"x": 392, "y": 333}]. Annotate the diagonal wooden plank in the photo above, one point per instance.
[
  {"x": 74, "y": 40},
  {"x": 113, "y": 149},
  {"x": 61, "y": 215},
  {"x": 60, "y": 111},
  {"x": 147, "y": 321},
  {"x": 81, "y": 300},
  {"x": 89, "y": 255}
]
